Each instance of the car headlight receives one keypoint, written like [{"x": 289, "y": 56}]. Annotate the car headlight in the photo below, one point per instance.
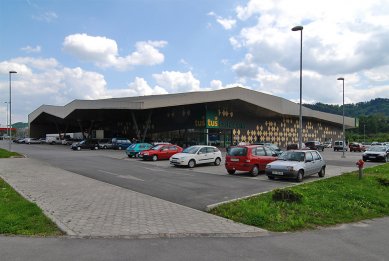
[
  {"x": 268, "y": 166},
  {"x": 289, "y": 168}
]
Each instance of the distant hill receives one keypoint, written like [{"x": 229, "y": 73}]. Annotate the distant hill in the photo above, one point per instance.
[
  {"x": 378, "y": 106},
  {"x": 20, "y": 125}
]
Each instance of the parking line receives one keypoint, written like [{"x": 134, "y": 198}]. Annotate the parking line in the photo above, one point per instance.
[{"x": 121, "y": 176}]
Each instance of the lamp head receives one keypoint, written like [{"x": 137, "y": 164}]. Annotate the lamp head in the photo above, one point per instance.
[
  {"x": 297, "y": 28},
  {"x": 340, "y": 79},
  {"x": 13, "y": 72}
]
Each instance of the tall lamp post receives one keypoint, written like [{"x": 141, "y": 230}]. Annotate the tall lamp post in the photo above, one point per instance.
[
  {"x": 344, "y": 140},
  {"x": 7, "y": 120},
  {"x": 300, "y": 28},
  {"x": 10, "y": 111}
]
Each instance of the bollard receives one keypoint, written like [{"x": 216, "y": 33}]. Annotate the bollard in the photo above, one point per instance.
[{"x": 360, "y": 164}]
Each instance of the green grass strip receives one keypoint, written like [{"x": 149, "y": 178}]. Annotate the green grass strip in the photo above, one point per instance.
[
  {"x": 336, "y": 200},
  {"x": 19, "y": 216},
  {"x": 7, "y": 154}
]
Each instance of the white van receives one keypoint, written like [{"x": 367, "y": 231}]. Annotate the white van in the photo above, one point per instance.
[{"x": 338, "y": 146}]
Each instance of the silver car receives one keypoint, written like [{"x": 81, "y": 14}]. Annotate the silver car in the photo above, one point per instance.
[{"x": 297, "y": 164}]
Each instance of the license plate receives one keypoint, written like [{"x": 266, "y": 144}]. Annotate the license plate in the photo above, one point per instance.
[
  {"x": 234, "y": 159},
  {"x": 372, "y": 157},
  {"x": 277, "y": 173}
]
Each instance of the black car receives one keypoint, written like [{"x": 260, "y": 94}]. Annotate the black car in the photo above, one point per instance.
[
  {"x": 314, "y": 145},
  {"x": 91, "y": 144}
]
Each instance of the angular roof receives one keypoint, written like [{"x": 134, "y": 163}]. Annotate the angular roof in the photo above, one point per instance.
[{"x": 273, "y": 103}]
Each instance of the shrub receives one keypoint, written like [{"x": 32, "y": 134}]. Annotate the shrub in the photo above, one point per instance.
[
  {"x": 287, "y": 195},
  {"x": 383, "y": 181}
]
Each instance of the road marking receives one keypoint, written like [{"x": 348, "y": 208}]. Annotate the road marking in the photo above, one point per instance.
[
  {"x": 171, "y": 172},
  {"x": 121, "y": 176}
]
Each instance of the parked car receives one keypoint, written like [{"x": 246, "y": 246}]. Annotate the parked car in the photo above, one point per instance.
[
  {"x": 295, "y": 146},
  {"x": 297, "y": 164},
  {"x": 91, "y": 144},
  {"x": 19, "y": 140},
  {"x": 195, "y": 155},
  {"x": 272, "y": 146},
  {"x": 355, "y": 146},
  {"x": 134, "y": 149},
  {"x": 338, "y": 145},
  {"x": 376, "y": 153},
  {"x": 251, "y": 158},
  {"x": 120, "y": 143},
  {"x": 160, "y": 152},
  {"x": 327, "y": 144},
  {"x": 32, "y": 141},
  {"x": 105, "y": 144},
  {"x": 70, "y": 141},
  {"x": 314, "y": 145}
]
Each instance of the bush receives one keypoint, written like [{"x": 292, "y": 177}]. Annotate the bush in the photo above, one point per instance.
[
  {"x": 287, "y": 195},
  {"x": 383, "y": 181}
]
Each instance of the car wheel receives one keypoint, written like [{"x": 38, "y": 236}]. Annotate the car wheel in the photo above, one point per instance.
[
  {"x": 270, "y": 177},
  {"x": 129, "y": 156},
  {"x": 154, "y": 158},
  {"x": 386, "y": 159},
  {"x": 217, "y": 161},
  {"x": 191, "y": 163},
  {"x": 96, "y": 147},
  {"x": 119, "y": 148},
  {"x": 300, "y": 176},
  {"x": 322, "y": 172},
  {"x": 254, "y": 171},
  {"x": 231, "y": 171},
  {"x": 78, "y": 148},
  {"x": 105, "y": 147}
]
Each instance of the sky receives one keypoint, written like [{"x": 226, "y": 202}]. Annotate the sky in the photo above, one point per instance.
[{"x": 93, "y": 49}]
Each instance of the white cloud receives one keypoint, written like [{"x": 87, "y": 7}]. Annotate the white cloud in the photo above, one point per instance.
[
  {"x": 30, "y": 49},
  {"x": 103, "y": 51},
  {"x": 227, "y": 23},
  {"x": 173, "y": 81},
  {"x": 339, "y": 38},
  {"x": 46, "y": 17}
]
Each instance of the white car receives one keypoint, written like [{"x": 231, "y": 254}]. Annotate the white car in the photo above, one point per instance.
[
  {"x": 198, "y": 154},
  {"x": 297, "y": 164}
]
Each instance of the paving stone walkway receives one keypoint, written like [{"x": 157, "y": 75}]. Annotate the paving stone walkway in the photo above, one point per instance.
[{"x": 85, "y": 207}]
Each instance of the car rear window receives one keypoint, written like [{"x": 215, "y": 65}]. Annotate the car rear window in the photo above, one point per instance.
[{"x": 237, "y": 151}]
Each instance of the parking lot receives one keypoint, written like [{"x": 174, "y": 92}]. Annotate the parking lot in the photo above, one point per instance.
[{"x": 195, "y": 188}]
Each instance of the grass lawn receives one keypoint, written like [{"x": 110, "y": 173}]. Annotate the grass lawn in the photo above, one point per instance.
[
  {"x": 326, "y": 202},
  {"x": 7, "y": 154},
  {"x": 21, "y": 217}
]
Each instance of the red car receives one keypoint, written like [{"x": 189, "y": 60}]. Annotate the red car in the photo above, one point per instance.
[
  {"x": 251, "y": 158},
  {"x": 160, "y": 151},
  {"x": 355, "y": 146}
]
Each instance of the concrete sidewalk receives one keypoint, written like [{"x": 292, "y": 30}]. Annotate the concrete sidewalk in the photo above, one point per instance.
[{"x": 85, "y": 207}]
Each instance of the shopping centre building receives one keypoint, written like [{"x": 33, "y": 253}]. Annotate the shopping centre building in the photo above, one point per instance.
[{"x": 220, "y": 118}]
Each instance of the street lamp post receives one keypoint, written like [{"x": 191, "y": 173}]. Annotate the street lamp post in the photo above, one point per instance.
[
  {"x": 7, "y": 120},
  {"x": 300, "y": 28},
  {"x": 10, "y": 111},
  {"x": 344, "y": 140}
]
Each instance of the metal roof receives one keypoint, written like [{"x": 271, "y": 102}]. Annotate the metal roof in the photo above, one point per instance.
[{"x": 277, "y": 104}]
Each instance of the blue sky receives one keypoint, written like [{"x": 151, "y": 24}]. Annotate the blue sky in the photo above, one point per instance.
[{"x": 66, "y": 50}]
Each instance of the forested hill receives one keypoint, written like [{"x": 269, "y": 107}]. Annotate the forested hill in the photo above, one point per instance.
[{"x": 378, "y": 106}]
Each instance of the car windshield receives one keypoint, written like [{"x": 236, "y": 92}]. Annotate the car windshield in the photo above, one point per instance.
[
  {"x": 377, "y": 148},
  {"x": 292, "y": 156},
  {"x": 237, "y": 151},
  {"x": 132, "y": 146},
  {"x": 191, "y": 150}
]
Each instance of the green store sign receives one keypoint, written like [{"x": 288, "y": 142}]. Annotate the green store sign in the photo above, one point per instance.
[{"x": 213, "y": 121}]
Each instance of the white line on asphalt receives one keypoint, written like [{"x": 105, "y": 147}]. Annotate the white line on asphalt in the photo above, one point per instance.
[
  {"x": 121, "y": 176},
  {"x": 172, "y": 172}
]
